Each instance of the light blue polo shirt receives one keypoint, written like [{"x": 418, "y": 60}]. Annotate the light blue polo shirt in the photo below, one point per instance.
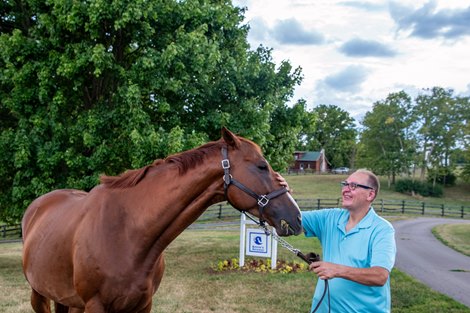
[{"x": 370, "y": 243}]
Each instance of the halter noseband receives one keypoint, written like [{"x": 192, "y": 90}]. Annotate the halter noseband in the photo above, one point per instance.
[{"x": 262, "y": 200}]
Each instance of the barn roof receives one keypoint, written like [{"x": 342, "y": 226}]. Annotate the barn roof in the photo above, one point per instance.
[{"x": 310, "y": 156}]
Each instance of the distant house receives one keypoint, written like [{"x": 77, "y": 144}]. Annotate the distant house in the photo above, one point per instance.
[{"x": 309, "y": 161}]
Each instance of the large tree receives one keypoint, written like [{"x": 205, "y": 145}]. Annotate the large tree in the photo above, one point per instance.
[
  {"x": 101, "y": 86},
  {"x": 465, "y": 109},
  {"x": 335, "y": 131},
  {"x": 387, "y": 140},
  {"x": 442, "y": 119}
]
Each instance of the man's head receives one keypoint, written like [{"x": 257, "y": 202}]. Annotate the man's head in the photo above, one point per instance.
[{"x": 360, "y": 189}]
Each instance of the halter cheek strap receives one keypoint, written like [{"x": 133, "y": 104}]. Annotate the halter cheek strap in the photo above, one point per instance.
[{"x": 262, "y": 200}]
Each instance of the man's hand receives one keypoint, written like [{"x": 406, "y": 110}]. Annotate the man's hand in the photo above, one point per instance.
[
  {"x": 325, "y": 270},
  {"x": 282, "y": 181}
]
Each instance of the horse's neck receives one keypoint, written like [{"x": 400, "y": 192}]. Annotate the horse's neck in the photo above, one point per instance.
[{"x": 170, "y": 203}]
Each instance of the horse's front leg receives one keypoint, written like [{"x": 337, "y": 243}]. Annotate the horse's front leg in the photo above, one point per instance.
[
  {"x": 60, "y": 308},
  {"x": 94, "y": 305},
  {"x": 40, "y": 303},
  {"x": 147, "y": 309},
  {"x": 159, "y": 269}
]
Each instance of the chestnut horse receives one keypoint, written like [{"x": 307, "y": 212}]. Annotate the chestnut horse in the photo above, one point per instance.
[{"x": 102, "y": 251}]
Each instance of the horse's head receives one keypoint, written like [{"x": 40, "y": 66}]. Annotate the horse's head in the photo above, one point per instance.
[{"x": 251, "y": 186}]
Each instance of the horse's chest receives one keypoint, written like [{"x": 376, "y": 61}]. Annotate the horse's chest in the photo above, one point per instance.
[
  {"x": 119, "y": 289},
  {"x": 131, "y": 299}
]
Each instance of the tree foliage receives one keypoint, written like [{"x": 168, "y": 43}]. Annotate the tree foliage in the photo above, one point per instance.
[
  {"x": 387, "y": 143},
  {"x": 442, "y": 123},
  {"x": 287, "y": 123},
  {"x": 335, "y": 132},
  {"x": 101, "y": 86},
  {"x": 400, "y": 134},
  {"x": 465, "y": 152}
]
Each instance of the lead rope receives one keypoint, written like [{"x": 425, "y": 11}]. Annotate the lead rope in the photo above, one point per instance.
[{"x": 309, "y": 258}]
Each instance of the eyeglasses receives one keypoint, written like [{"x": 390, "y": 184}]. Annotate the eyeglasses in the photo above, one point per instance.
[{"x": 353, "y": 186}]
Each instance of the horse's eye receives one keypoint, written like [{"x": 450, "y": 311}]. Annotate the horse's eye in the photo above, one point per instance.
[{"x": 263, "y": 166}]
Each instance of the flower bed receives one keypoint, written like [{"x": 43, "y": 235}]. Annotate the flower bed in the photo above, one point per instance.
[{"x": 259, "y": 266}]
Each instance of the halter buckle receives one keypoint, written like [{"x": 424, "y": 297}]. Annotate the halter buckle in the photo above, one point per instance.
[
  {"x": 225, "y": 164},
  {"x": 263, "y": 201},
  {"x": 227, "y": 179}
]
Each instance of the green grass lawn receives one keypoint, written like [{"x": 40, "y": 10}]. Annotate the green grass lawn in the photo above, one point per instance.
[
  {"x": 328, "y": 187},
  {"x": 456, "y": 236},
  {"x": 191, "y": 285}
]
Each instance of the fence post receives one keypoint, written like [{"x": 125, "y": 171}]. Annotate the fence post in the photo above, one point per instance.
[
  {"x": 220, "y": 211},
  {"x": 461, "y": 212},
  {"x": 318, "y": 204},
  {"x": 423, "y": 205},
  {"x": 4, "y": 231},
  {"x": 442, "y": 208},
  {"x": 403, "y": 207}
]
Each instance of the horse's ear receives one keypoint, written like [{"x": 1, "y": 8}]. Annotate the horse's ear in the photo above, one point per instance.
[{"x": 230, "y": 138}]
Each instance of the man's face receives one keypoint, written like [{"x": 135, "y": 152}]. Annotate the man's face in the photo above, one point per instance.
[{"x": 358, "y": 197}]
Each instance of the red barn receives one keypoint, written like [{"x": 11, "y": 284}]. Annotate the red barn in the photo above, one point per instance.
[{"x": 309, "y": 161}]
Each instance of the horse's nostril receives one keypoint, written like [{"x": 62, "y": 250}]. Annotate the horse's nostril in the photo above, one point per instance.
[{"x": 284, "y": 224}]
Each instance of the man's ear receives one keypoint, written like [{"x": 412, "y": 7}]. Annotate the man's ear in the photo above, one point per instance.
[{"x": 230, "y": 138}]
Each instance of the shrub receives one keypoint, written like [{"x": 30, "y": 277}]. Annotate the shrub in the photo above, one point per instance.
[
  {"x": 445, "y": 179},
  {"x": 436, "y": 190},
  {"x": 424, "y": 189}
]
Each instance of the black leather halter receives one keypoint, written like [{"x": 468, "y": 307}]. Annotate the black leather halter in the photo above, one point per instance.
[{"x": 262, "y": 200}]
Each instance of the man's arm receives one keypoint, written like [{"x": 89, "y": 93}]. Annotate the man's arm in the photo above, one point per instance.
[{"x": 373, "y": 276}]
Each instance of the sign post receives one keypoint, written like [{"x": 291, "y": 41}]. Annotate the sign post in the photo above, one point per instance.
[{"x": 255, "y": 242}]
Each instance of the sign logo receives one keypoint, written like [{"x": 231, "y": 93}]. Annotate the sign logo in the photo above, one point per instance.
[{"x": 258, "y": 243}]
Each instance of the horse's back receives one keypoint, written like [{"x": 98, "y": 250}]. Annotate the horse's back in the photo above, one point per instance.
[
  {"x": 51, "y": 205},
  {"x": 49, "y": 226}
]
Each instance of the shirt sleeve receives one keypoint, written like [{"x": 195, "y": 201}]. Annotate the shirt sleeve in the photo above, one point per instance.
[
  {"x": 384, "y": 247},
  {"x": 314, "y": 222}
]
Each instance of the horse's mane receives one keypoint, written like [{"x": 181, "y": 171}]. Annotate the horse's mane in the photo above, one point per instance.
[
  {"x": 183, "y": 161},
  {"x": 129, "y": 178},
  {"x": 192, "y": 158}
]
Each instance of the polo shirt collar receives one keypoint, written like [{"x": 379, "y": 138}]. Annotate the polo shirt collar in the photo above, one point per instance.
[{"x": 365, "y": 222}]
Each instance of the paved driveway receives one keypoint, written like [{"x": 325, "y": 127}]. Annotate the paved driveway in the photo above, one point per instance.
[{"x": 424, "y": 257}]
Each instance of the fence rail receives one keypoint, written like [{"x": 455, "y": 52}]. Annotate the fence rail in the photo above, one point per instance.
[
  {"x": 422, "y": 208},
  {"x": 224, "y": 211},
  {"x": 10, "y": 231}
]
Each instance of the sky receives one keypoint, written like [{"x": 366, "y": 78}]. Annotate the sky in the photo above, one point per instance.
[{"x": 354, "y": 53}]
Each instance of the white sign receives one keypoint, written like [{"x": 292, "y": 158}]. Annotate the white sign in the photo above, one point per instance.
[
  {"x": 258, "y": 243},
  {"x": 255, "y": 242}
]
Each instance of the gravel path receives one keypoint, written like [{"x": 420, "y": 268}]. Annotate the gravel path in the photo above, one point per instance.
[{"x": 424, "y": 257}]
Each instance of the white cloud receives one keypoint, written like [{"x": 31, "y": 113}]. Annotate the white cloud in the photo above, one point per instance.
[
  {"x": 354, "y": 53},
  {"x": 291, "y": 31},
  {"x": 429, "y": 22},
  {"x": 348, "y": 79},
  {"x": 366, "y": 48}
]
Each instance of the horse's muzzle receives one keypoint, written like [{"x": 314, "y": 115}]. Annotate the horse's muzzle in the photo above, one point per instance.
[{"x": 287, "y": 229}]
